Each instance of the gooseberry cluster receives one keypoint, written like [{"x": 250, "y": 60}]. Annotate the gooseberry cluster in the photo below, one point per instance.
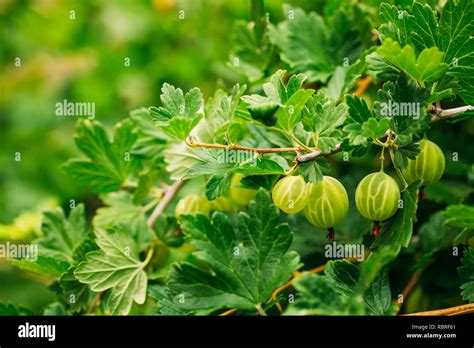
[
  {"x": 237, "y": 197},
  {"x": 326, "y": 203}
]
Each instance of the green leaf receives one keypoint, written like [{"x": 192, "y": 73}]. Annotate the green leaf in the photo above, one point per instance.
[
  {"x": 403, "y": 97},
  {"x": 451, "y": 34},
  {"x": 263, "y": 166},
  {"x": 455, "y": 29},
  {"x": 460, "y": 216},
  {"x": 344, "y": 79},
  {"x": 43, "y": 265},
  {"x": 432, "y": 232},
  {"x": 245, "y": 263},
  {"x": 8, "y": 309},
  {"x": 428, "y": 67},
  {"x": 219, "y": 119},
  {"x": 165, "y": 301},
  {"x": 290, "y": 113},
  {"x": 250, "y": 55},
  {"x": 150, "y": 141},
  {"x": 217, "y": 185},
  {"x": 319, "y": 295},
  {"x": 434, "y": 235},
  {"x": 116, "y": 267},
  {"x": 395, "y": 234},
  {"x": 75, "y": 293},
  {"x": 314, "y": 48},
  {"x": 108, "y": 165},
  {"x": 166, "y": 228},
  {"x": 121, "y": 210},
  {"x": 405, "y": 152},
  {"x": 176, "y": 104},
  {"x": 380, "y": 68},
  {"x": 373, "y": 128},
  {"x": 322, "y": 118},
  {"x": 63, "y": 236},
  {"x": 55, "y": 308},
  {"x": 354, "y": 135},
  {"x": 378, "y": 296},
  {"x": 448, "y": 191},
  {"x": 466, "y": 271},
  {"x": 343, "y": 274},
  {"x": 395, "y": 24},
  {"x": 359, "y": 112},
  {"x": 277, "y": 94},
  {"x": 179, "y": 112},
  {"x": 221, "y": 164},
  {"x": 255, "y": 182},
  {"x": 312, "y": 171}
]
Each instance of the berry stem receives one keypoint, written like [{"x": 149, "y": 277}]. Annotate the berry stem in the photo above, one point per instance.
[
  {"x": 375, "y": 229},
  {"x": 421, "y": 194},
  {"x": 170, "y": 192},
  {"x": 382, "y": 158},
  {"x": 330, "y": 235}
]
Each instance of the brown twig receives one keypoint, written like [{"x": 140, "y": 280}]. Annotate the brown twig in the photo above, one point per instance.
[
  {"x": 228, "y": 312},
  {"x": 441, "y": 114},
  {"x": 318, "y": 153},
  {"x": 170, "y": 192},
  {"x": 244, "y": 148},
  {"x": 463, "y": 309},
  {"x": 96, "y": 302},
  {"x": 411, "y": 284},
  {"x": 409, "y": 287},
  {"x": 438, "y": 115}
]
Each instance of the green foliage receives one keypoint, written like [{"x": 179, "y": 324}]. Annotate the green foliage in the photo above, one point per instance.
[
  {"x": 446, "y": 39},
  {"x": 115, "y": 266},
  {"x": 460, "y": 216},
  {"x": 109, "y": 164},
  {"x": 12, "y": 310},
  {"x": 466, "y": 271},
  {"x": 335, "y": 293},
  {"x": 312, "y": 47},
  {"x": 58, "y": 248},
  {"x": 359, "y": 78},
  {"x": 179, "y": 113},
  {"x": 246, "y": 262},
  {"x": 322, "y": 118}
]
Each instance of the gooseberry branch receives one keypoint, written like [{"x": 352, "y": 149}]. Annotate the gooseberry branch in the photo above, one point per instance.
[
  {"x": 440, "y": 114},
  {"x": 169, "y": 193}
]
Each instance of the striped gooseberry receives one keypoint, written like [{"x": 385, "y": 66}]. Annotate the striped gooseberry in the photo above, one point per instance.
[
  {"x": 377, "y": 197},
  {"x": 290, "y": 194},
  {"x": 327, "y": 204},
  {"x": 428, "y": 166}
]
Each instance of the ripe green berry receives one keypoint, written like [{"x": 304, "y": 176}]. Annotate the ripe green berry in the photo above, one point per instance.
[
  {"x": 223, "y": 203},
  {"x": 327, "y": 204},
  {"x": 192, "y": 204},
  {"x": 241, "y": 196},
  {"x": 428, "y": 166},
  {"x": 377, "y": 196},
  {"x": 290, "y": 194}
]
